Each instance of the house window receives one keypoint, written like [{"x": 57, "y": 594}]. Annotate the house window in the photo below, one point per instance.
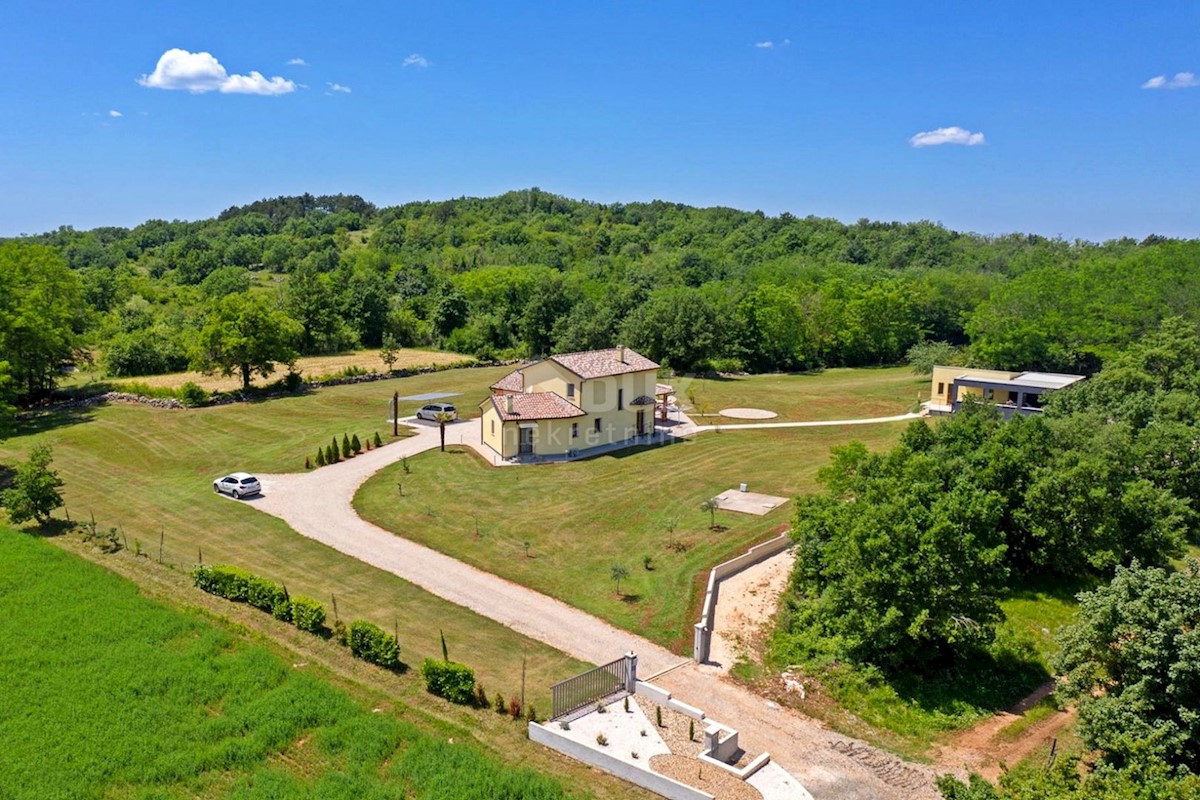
[
  {"x": 620, "y": 399},
  {"x": 597, "y": 424},
  {"x": 941, "y": 389},
  {"x": 570, "y": 391},
  {"x": 493, "y": 427},
  {"x": 574, "y": 430}
]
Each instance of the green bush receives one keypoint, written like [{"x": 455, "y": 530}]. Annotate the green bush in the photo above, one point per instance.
[
  {"x": 371, "y": 644},
  {"x": 267, "y": 595},
  {"x": 455, "y": 682},
  {"x": 355, "y": 444},
  {"x": 222, "y": 580},
  {"x": 320, "y": 458},
  {"x": 192, "y": 395},
  {"x": 308, "y": 614},
  {"x": 378, "y": 441},
  {"x": 346, "y": 446}
]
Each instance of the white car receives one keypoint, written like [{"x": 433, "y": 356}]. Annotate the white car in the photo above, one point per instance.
[
  {"x": 237, "y": 485},
  {"x": 431, "y": 411}
]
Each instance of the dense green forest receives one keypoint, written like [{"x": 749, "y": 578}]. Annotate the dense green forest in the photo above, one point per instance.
[{"x": 528, "y": 273}]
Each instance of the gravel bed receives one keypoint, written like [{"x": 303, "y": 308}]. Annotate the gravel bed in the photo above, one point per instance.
[{"x": 705, "y": 777}]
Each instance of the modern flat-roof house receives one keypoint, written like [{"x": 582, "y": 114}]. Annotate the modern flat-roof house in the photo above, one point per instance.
[
  {"x": 1011, "y": 392},
  {"x": 572, "y": 402}
]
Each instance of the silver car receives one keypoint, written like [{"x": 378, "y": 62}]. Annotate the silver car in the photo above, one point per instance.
[
  {"x": 431, "y": 411},
  {"x": 237, "y": 485}
]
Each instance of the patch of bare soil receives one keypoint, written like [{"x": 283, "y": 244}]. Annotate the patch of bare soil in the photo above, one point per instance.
[
  {"x": 746, "y": 603},
  {"x": 983, "y": 749}
]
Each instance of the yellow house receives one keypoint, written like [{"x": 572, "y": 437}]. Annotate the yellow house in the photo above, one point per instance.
[
  {"x": 1011, "y": 392},
  {"x": 572, "y": 402}
]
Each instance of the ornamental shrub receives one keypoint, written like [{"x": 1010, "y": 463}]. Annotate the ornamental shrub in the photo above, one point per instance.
[
  {"x": 267, "y": 595},
  {"x": 371, "y": 644},
  {"x": 308, "y": 614},
  {"x": 345, "y": 446},
  {"x": 321, "y": 457},
  {"x": 378, "y": 441},
  {"x": 192, "y": 395},
  {"x": 223, "y": 580},
  {"x": 481, "y": 700},
  {"x": 499, "y": 705},
  {"x": 355, "y": 445},
  {"x": 455, "y": 682}
]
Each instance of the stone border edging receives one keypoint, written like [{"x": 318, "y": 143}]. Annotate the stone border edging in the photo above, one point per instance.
[{"x": 702, "y": 637}]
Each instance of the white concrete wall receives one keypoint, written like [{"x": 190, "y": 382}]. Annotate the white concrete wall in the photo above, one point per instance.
[{"x": 702, "y": 637}]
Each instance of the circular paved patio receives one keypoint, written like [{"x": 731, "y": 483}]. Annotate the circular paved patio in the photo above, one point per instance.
[{"x": 748, "y": 413}]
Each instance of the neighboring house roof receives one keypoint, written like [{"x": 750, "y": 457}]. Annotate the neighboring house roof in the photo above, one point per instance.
[
  {"x": 663, "y": 388},
  {"x": 644, "y": 400},
  {"x": 538, "y": 405},
  {"x": 512, "y": 382},
  {"x": 604, "y": 363}
]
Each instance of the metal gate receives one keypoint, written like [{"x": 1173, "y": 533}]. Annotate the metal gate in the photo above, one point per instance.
[{"x": 588, "y": 688}]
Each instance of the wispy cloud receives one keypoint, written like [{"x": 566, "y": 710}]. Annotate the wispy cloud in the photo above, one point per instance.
[
  {"x": 201, "y": 72},
  {"x": 1182, "y": 80},
  {"x": 297, "y": 62},
  {"x": 114, "y": 113},
  {"x": 337, "y": 87},
  {"x": 770, "y": 44},
  {"x": 951, "y": 135},
  {"x": 416, "y": 60}
]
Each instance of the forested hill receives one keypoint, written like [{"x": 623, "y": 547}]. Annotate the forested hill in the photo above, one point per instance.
[{"x": 530, "y": 272}]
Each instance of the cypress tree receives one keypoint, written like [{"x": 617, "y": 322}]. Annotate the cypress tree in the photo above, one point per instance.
[
  {"x": 320, "y": 457},
  {"x": 378, "y": 441},
  {"x": 345, "y": 446},
  {"x": 334, "y": 447},
  {"x": 356, "y": 445}
]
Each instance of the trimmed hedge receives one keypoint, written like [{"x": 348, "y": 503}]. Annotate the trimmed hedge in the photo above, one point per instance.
[
  {"x": 455, "y": 682},
  {"x": 369, "y": 642},
  {"x": 222, "y": 580},
  {"x": 308, "y": 614},
  {"x": 269, "y": 596}
]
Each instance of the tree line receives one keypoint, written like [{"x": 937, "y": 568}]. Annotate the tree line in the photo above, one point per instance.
[{"x": 528, "y": 273}]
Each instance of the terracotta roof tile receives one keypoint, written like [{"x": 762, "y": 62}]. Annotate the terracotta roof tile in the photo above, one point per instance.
[
  {"x": 538, "y": 405},
  {"x": 603, "y": 363},
  {"x": 512, "y": 382}
]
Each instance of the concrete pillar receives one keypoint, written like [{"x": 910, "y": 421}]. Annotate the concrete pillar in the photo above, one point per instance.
[{"x": 631, "y": 672}]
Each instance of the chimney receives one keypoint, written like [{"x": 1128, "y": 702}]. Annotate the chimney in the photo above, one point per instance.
[
  {"x": 508, "y": 404},
  {"x": 621, "y": 354}
]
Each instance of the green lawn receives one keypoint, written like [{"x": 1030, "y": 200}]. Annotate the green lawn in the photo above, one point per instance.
[
  {"x": 109, "y": 694},
  {"x": 581, "y": 518},
  {"x": 829, "y": 394},
  {"x": 147, "y": 471}
]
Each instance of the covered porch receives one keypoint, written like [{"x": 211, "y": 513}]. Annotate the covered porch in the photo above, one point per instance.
[{"x": 1011, "y": 396}]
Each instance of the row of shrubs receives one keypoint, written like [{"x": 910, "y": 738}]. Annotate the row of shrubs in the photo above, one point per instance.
[
  {"x": 332, "y": 453},
  {"x": 241, "y": 586},
  {"x": 447, "y": 679}
]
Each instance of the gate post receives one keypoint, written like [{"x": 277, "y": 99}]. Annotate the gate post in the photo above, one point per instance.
[{"x": 631, "y": 672}]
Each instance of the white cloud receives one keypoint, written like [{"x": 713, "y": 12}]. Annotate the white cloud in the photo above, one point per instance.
[
  {"x": 769, "y": 44},
  {"x": 201, "y": 72},
  {"x": 337, "y": 87},
  {"x": 1182, "y": 80},
  {"x": 951, "y": 135},
  {"x": 416, "y": 60},
  {"x": 297, "y": 62},
  {"x": 114, "y": 113},
  {"x": 764, "y": 45}
]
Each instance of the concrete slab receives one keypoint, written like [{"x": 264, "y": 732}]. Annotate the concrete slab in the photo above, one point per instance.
[
  {"x": 623, "y": 730},
  {"x": 749, "y": 502},
  {"x": 748, "y": 413},
  {"x": 774, "y": 783}
]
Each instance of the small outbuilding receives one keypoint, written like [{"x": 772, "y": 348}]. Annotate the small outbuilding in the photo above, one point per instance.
[{"x": 1011, "y": 392}]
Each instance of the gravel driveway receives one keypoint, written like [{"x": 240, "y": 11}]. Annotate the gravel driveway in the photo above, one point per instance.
[{"x": 317, "y": 505}]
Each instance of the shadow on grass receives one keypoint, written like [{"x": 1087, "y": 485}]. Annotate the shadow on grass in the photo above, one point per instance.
[
  {"x": 1063, "y": 588},
  {"x": 31, "y": 423},
  {"x": 631, "y": 598},
  {"x": 50, "y": 529},
  {"x": 982, "y": 680}
]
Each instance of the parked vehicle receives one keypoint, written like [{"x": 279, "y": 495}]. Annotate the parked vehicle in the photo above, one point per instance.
[
  {"x": 237, "y": 485},
  {"x": 431, "y": 411}
]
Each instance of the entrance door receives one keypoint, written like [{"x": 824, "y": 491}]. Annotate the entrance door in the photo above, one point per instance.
[
  {"x": 526, "y": 445},
  {"x": 641, "y": 423}
]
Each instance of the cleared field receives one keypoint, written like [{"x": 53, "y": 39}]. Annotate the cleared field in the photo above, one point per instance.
[
  {"x": 148, "y": 471},
  {"x": 560, "y": 528},
  {"x": 110, "y": 694},
  {"x": 830, "y": 394},
  {"x": 309, "y": 367}
]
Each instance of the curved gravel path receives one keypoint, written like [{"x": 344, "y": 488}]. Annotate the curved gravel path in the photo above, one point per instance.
[{"x": 317, "y": 505}]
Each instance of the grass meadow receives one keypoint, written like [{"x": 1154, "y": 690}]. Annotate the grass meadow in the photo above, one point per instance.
[
  {"x": 579, "y": 519},
  {"x": 148, "y": 472},
  {"x": 108, "y": 694}
]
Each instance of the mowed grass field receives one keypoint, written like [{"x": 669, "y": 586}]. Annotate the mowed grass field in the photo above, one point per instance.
[
  {"x": 149, "y": 471},
  {"x": 581, "y": 518},
  {"x": 309, "y": 366},
  {"x": 827, "y": 395},
  {"x": 108, "y": 694}
]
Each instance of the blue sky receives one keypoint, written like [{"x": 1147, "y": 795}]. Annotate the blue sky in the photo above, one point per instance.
[{"x": 681, "y": 101}]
